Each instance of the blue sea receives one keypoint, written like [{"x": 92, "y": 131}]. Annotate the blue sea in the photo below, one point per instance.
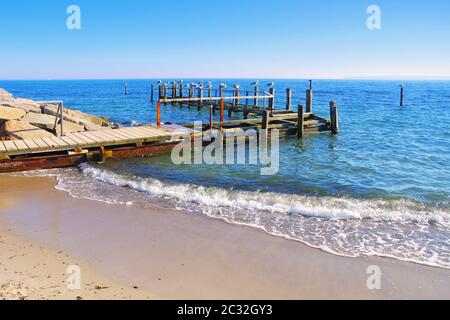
[{"x": 381, "y": 187}]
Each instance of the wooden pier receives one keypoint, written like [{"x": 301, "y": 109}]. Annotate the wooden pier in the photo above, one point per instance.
[{"x": 258, "y": 109}]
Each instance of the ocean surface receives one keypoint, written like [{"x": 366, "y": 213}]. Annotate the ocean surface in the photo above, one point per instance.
[{"x": 381, "y": 187}]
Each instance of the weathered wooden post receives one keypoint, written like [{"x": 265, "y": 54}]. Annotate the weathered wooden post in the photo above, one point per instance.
[
  {"x": 272, "y": 99},
  {"x": 61, "y": 119},
  {"x": 126, "y": 89},
  {"x": 211, "y": 112},
  {"x": 402, "y": 93},
  {"x": 265, "y": 120},
  {"x": 237, "y": 94},
  {"x": 160, "y": 89},
  {"x": 209, "y": 90},
  {"x": 288, "y": 99},
  {"x": 166, "y": 92},
  {"x": 334, "y": 118},
  {"x": 246, "y": 99},
  {"x": 152, "y": 89},
  {"x": 255, "y": 103},
  {"x": 158, "y": 113},
  {"x": 222, "y": 112},
  {"x": 174, "y": 90},
  {"x": 310, "y": 84},
  {"x": 309, "y": 97},
  {"x": 200, "y": 95},
  {"x": 301, "y": 121},
  {"x": 181, "y": 89}
]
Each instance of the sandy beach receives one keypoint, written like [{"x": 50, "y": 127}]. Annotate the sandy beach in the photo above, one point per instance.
[{"x": 127, "y": 252}]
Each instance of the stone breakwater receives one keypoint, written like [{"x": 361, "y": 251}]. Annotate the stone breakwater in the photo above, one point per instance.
[{"x": 26, "y": 119}]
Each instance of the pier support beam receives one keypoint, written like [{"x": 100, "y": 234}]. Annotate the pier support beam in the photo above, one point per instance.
[
  {"x": 334, "y": 118},
  {"x": 288, "y": 99},
  {"x": 272, "y": 100},
  {"x": 301, "y": 121},
  {"x": 309, "y": 100}
]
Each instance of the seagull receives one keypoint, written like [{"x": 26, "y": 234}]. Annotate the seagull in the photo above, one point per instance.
[
  {"x": 255, "y": 84},
  {"x": 209, "y": 84},
  {"x": 271, "y": 84},
  {"x": 159, "y": 82},
  {"x": 223, "y": 85},
  {"x": 236, "y": 86}
]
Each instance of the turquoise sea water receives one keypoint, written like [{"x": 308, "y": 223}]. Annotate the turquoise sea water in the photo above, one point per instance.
[{"x": 381, "y": 187}]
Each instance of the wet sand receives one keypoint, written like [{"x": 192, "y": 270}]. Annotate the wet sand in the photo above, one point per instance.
[{"x": 169, "y": 254}]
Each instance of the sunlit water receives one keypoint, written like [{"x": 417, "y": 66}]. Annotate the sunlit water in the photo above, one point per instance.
[{"x": 381, "y": 187}]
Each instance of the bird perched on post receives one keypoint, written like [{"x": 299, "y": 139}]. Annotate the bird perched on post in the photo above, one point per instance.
[{"x": 255, "y": 84}]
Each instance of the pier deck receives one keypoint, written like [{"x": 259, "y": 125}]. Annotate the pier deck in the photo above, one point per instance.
[{"x": 91, "y": 139}]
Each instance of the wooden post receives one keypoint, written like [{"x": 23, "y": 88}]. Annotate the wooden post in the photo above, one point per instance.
[
  {"x": 151, "y": 93},
  {"x": 222, "y": 110},
  {"x": 310, "y": 84},
  {"x": 174, "y": 90},
  {"x": 211, "y": 117},
  {"x": 255, "y": 103},
  {"x": 272, "y": 100},
  {"x": 160, "y": 88},
  {"x": 209, "y": 91},
  {"x": 238, "y": 93},
  {"x": 181, "y": 90},
  {"x": 166, "y": 91},
  {"x": 61, "y": 120},
  {"x": 288, "y": 99},
  {"x": 402, "y": 93},
  {"x": 158, "y": 114},
  {"x": 334, "y": 118},
  {"x": 246, "y": 100},
  {"x": 200, "y": 95},
  {"x": 301, "y": 121},
  {"x": 309, "y": 97},
  {"x": 265, "y": 120},
  {"x": 126, "y": 89}
]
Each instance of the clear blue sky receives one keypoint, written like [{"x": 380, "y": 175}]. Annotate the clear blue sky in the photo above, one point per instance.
[{"x": 228, "y": 38}]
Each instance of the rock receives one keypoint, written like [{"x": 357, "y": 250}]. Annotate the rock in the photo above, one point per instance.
[
  {"x": 74, "y": 116},
  {"x": 5, "y": 95},
  {"x": 20, "y": 130},
  {"x": 8, "y": 113},
  {"x": 24, "y": 104},
  {"x": 47, "y": 122}
]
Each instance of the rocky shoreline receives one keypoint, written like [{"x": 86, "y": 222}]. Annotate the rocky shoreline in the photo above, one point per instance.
[{"x": 22, "y": 118}]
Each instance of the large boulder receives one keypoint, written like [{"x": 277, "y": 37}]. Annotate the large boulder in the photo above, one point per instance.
[
  {"x": 21, "y": 130},
  {"x": 23, "y": 104},
  {"x": 8, "y": 113},
  {"x": 5, "y": 95},
  {"x": 74, "y": 116},
  {"x": 47, "y": 122}
]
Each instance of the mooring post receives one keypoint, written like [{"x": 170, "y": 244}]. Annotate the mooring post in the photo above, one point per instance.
[
  {"x": 246, "y": 99},
  {"x": 334, "y": 118},
  {"x": 301, "y": 121},
  {"x": 61, "y": 120},
  {"x": 160, "y": 90},
  {"x": 181, "y": 90},
  {"x": 288, "y": 99},
  {"x": 211, "y": 117},
  {"x": 209, "y": 90},
  {"x": 310, "y": 84},
  {"x": 174, "y": 90},
  {"x": 272, "y": 99},
  {"x": 166, "y": 92},
  {"x": 402, "y": 93},
  {"x": 222, "y": 112},
  {"x": 200, "y": 95},
  {"x": 152, "y": 88},
  {"x": 265, "y": 120},
  {"x": 309, "y": 97},
  {"x": 238, "y": 93},
  {"x": 158, "y": 113},
  {"x": 255, "y": 103},
  {"x": 126, "y": 89}
]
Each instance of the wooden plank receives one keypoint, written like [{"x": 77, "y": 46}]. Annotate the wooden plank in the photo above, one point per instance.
[
  {"x": 60, "y": 142},
  {"x": 50, "y": 142},
  {"x": 93, "y": 138},
  {"x": 78, "y": 140},
  {"x": 10, "y": 146},
  {"x": 2, "y": 147},
  {"x": 31, "y": 144},
  {"x": 40, "y": 143},
  {"x": 86, "y": 138},
  {"x": 155, "y": 132},
  {"x": 69, "y": 141},
  {"x": 121, "y": 135},
  {"x": 20, "y": 145},
  {"x": 130, "y": 135},
  {"x": 106, "y": 137}
]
